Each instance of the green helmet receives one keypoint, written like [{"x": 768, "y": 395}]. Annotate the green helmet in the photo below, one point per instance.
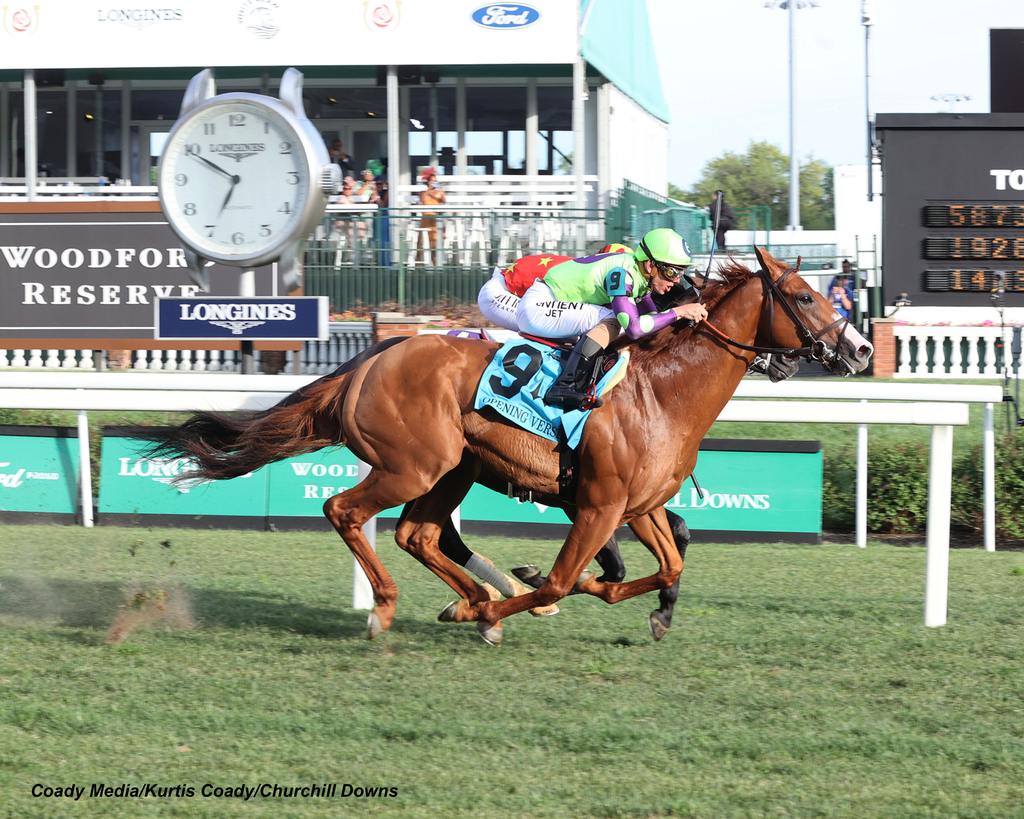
[{"x": 665, "y": 246}]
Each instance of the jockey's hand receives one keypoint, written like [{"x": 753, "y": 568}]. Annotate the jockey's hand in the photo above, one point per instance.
[{"x": 693, "y": 312}]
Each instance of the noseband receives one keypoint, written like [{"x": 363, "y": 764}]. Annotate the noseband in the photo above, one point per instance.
[{"x": 814, "y": 349}]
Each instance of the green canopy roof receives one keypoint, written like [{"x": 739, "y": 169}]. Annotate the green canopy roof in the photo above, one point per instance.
[{"x": 617, "y": 42}]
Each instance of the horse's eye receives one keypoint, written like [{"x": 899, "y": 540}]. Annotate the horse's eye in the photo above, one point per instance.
[{"x": 805, "y": 298}]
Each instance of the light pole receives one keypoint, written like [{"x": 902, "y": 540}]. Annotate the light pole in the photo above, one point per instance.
[
  {"x": 866, "y": 21},
  {"x": 794, "y": 165}
]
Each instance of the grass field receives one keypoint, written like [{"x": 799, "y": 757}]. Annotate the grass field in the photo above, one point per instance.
[{"x": 798, "y": 681}]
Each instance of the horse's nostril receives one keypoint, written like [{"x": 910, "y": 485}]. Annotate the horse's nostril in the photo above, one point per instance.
[{"x": 864, "y": 352}]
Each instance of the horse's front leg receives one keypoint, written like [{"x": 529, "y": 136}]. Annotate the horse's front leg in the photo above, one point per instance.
[
  {"x": 655, "y": 533},
  {"x": 661, "y": 618},
  {"x": 590, "y": 530}
]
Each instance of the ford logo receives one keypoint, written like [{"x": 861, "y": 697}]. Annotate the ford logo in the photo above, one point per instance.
[{"x": 506, "y": 15}]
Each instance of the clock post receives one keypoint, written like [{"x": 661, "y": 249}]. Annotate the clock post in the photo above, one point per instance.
[{"x": 243, "y": 181}]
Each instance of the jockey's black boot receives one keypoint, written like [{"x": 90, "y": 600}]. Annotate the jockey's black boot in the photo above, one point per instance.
[{"x": 569, "y": 392}]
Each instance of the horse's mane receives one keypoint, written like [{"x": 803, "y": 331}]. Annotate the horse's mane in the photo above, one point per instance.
[{"x": 714, "y": 291}]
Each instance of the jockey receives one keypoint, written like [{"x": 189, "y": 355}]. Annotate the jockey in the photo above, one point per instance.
[
  {"x": 499, "y": 297},
  {"x": 597, "y": 297}
]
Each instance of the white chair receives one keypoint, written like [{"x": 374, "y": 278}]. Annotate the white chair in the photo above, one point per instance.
[{"x": 417, "y": 238}]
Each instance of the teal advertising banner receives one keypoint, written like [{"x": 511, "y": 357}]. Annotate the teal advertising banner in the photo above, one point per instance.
[
  {"x": 38, "y": 471},
  {"x": 300, "y": 485},
  {"x": 133, "y": 485},
  {"x": 776, "y": 488},
  {"x": 749, "y": 488}
]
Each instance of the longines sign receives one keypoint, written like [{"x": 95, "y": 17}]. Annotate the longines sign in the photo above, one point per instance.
[
  {"x": 96, "y": 275},
  {"x": 281, "y": 319}
]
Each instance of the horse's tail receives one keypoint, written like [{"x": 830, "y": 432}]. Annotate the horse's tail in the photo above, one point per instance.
[{"x": 225, "y": 445}]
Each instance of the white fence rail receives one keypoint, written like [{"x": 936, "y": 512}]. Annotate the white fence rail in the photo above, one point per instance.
[{"x": 165, "y": 392}]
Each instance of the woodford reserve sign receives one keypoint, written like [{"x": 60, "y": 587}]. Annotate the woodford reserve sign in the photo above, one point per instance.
[{"x": 92, "y": 270}]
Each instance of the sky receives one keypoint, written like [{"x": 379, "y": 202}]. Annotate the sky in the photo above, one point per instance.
[{"x": 724, "y": 70}]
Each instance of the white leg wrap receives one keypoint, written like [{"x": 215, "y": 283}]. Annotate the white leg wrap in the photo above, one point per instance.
[{"x": 488, "y": 572}]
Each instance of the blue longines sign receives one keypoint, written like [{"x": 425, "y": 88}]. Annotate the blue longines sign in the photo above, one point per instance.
[{"x": 217, "y": 317}]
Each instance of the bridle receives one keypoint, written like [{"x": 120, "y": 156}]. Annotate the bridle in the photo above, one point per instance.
[{"x": 814, "y": 349}]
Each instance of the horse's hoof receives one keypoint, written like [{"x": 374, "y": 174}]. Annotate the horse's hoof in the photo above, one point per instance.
[
  {"x": 529, "y": 574},
  {"x": 584, "y": 578},
  {"x": 545, "y": 611},
  {"x": 658, "y": 624},
  {"x": 492, "y": 635},
  {"x": 373, "y": 626},
  {"x": 447, "y": 614}
]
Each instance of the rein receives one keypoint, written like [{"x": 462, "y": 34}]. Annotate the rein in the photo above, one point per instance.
[{"x": 814, "y": 348}]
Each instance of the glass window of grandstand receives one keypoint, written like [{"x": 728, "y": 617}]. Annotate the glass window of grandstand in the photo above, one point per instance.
[
  {"x": 432, "y": 135},
  {"x": 94, "y": 151},
  {"x": 357, "y": 116},
  {"x": 554, "y": 124},
  {"x": 496, "y": 130}
]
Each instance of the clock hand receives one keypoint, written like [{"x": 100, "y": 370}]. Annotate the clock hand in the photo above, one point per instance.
[
  {"x": 235, "y": 179},
  {"x": 215, "y": 166}
]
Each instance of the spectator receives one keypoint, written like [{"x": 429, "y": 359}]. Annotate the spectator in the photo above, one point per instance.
[
  {"x": 726, "y": 221},
  {"x": 340, "y": 158},
  {"x": 381, "y": 219},
  {"x": 365, "y": 190},
  {"x": 432, "y": 195},
  {"x": 841, "y": 291}
]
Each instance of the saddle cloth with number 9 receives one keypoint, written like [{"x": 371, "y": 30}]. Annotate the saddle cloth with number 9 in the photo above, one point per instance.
[{"x": 519, "y": 375}]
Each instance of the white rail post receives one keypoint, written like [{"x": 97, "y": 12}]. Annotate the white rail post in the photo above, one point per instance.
[
  {"x": 362, "y": 592},
  {"x": 84, "y": 468},
  {"x": 940, "y": 482},
  {"x": 990, "y": 480},
  {"x": 862, "y": 484}
]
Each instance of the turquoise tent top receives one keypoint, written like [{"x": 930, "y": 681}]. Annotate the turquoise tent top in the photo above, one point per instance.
[{"x": 617, "y": 42}]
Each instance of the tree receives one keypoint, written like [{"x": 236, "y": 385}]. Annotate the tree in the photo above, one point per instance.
[{"x": 761, "y": 177}]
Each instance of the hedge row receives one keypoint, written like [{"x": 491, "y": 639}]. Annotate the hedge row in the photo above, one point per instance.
[{"x": 898, "y": 489}]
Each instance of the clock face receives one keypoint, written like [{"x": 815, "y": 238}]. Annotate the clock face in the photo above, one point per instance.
[{"x": 234, "y": 180}]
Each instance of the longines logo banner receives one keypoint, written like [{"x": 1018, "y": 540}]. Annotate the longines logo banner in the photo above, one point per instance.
[
  {"x": 96, "y": 275},
  {"x": 293, "y": 319},
  {"x": 65, "y": 33}
]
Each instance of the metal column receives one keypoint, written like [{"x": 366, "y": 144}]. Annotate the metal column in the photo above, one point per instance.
[{"x": 31, "y": 158}]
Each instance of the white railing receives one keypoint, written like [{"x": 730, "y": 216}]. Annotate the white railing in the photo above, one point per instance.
[
  {"x": 949, "y": 351},
  {"x": 226, "y": 393},
  {"x": 59, "y": 188},
  {"x": 502, "y": 189},
  {"x": 347, "y": 338}
]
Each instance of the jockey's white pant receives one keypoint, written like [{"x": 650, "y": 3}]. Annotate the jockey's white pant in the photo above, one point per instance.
[
  {"x": 541, "y": 314},
  {"x": 497, "y": 303}
]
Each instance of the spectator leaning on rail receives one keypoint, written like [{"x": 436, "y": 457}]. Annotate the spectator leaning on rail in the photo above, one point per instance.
[
  {"x": 499, "y": 298},
  {"x": 606, "y": 294}
]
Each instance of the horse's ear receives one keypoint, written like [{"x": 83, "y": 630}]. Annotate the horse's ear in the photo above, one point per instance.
[{"x": 768, "y": 262}]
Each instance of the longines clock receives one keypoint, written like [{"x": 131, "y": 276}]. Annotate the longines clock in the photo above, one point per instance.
[{"x": 244, "y": 178}]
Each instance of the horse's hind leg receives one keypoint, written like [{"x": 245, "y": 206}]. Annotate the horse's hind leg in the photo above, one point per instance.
[
  {"x": 419, "y": 532},
  {"x": 349, "y": 510},
  {"x": 455, "y": 549}
]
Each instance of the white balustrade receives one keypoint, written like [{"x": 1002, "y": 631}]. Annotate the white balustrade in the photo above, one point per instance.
[{"x": 944, "y": 346}]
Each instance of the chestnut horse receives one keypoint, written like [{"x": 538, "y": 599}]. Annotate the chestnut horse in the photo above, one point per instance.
[{"x": 407, "y": 411}]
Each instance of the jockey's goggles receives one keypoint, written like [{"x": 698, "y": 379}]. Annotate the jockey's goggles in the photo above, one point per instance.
[{"x": 670, "y": 272}]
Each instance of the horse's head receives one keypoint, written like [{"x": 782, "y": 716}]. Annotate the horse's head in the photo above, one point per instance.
[{"x": 797, "y": 316}]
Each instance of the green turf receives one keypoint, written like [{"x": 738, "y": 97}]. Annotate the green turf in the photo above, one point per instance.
[{"x": 797, "y": 681}]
